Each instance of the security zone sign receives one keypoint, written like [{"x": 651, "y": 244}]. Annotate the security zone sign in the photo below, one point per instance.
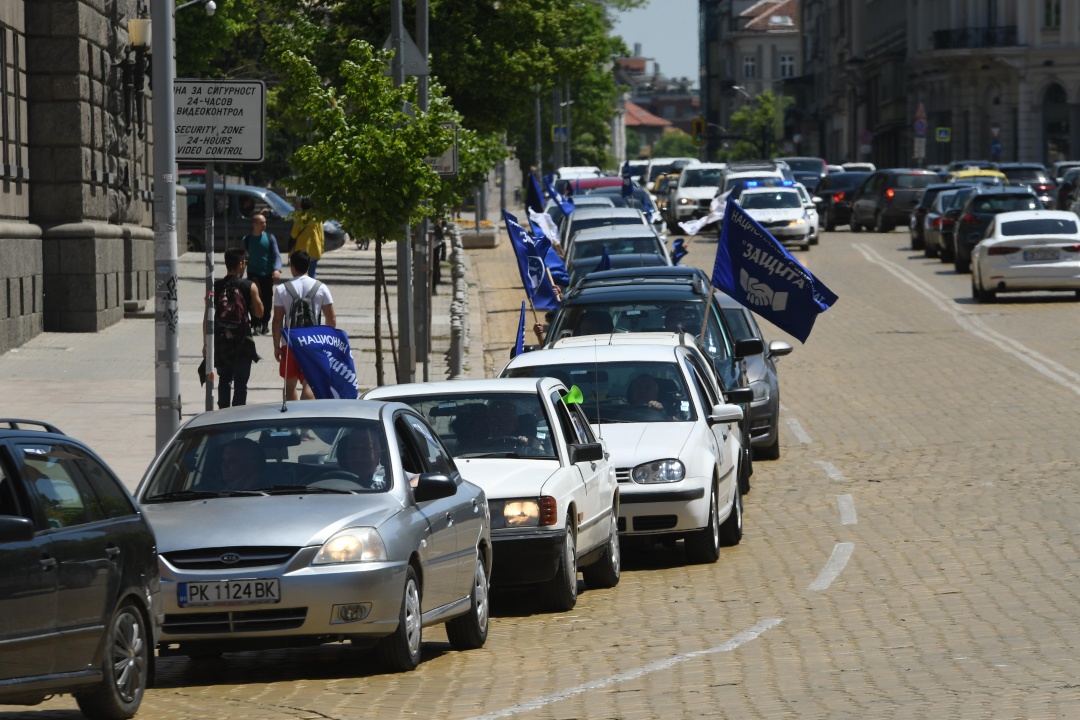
[{"x": 219, "y": 120}]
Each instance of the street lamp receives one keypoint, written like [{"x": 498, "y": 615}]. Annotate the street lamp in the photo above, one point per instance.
[{"x": 211, "y": 6}]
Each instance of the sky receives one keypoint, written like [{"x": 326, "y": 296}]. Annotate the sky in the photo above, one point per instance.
[{"x": 667, "y": 31}]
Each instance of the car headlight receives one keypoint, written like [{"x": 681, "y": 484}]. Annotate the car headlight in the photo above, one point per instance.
[
  {"x": 351, "y": 545},
  {"x": 686, "y": 201},
  {"x": 524, "y": 512},
  {"x": 761, "y": 390},
  {"x": 795, "y": 223},
  {"x": 659, "y": 471}
]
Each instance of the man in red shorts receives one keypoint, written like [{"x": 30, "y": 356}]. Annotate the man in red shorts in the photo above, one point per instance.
[{"x": 323, "y": 303}]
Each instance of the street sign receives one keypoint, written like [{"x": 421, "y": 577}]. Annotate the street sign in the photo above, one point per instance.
[
  {"x": 866, "y": 137},
  {"x": 219, "y": 120},
  {"x": 446, "y": 164},
  {"x": 920, "y": 127},
  {"x": 943, "y": 134},
  {"x": 920, "y": 148},
  {"x": 558, "y": 133},
  {"x": 412, "y": 60},
  {"x": 995, "y": 130},
  {"x": 920, "y": 111}
]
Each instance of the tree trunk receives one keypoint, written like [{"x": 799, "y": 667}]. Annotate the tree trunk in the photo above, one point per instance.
[{"x": 379, "y": 378}]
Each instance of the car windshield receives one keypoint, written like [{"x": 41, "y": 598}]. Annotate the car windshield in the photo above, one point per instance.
[
  {"x": 1026, "y": 175},
  {"x": 600, "y": 221},
  {"x": 1039, "y": 226},
  {"x": 641, "y": 197},
  {"x": 698, "y": 177},
  {"x": 806, "y": 165},
  {"x": 623, "y": 392},
  {"x": 960, "y": 198},
  {"x": 583, "y": 249},
  {"x": 770, "y": 201},
  {"x": 916, "y": 180},
  {"x": 994, "y": 204},
  {"x": 278, "y": 204},
  {"x": 492, "y": 424},
  {"x": 846, "y": 180},
  {"x": 657, "y": 170},
  {"x": 944, "y": 200},
  {"x": 261, "y": 458}
]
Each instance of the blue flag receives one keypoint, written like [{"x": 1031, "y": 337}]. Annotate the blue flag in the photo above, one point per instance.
[
  {"x": 534, "y": 199},
  {"x": 678, "y": 251},
  {"x": 519, "y": 344},
  {"x": 605, "y": 262},
  {"x": 324, "y": 356},
  {"x": 555, "y": 264},
  {"x": 566, "y": 205},
  {"x": 756, "y": 270},
  {"x": 534, "y": 274}
]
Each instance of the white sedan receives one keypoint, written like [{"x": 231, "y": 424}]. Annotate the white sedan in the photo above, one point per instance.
[
  {"x": 1027, "y": 250},
  {"x": 551, "y": 488},
  {"x": 673, "y": 439}
]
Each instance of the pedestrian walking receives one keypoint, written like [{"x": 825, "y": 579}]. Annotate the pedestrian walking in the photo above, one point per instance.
[
  {"x": 264, "y": 267},
  {"x": 236, "y": 299},
  {"x": 302, "y": 301},
  {"x": 307, "y": 234},
  {"x": 438, "y": 252}
]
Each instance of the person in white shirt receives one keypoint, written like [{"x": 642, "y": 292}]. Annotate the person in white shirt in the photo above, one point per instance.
[{"x": 323, "y": 303}]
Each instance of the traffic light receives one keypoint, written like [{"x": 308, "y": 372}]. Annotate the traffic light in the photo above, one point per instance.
[{"x": 697, "y": 131}]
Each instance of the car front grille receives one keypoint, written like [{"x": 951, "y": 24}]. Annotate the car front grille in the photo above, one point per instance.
[
  {"x": 229, "y": 558},
  {"x": 235, "y": 622},
  {"x": 644, "y": 523},
  {"x": 776, "y": 224},
  {"x": 704, "y": 203},
  {"x": 622, "y": 475}
]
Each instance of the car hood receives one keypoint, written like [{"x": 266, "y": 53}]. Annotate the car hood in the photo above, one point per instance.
[
  {"x": 635, "y": 443},
  {"x": 697, "y": 193},
  {"x": 773, "y": 215},
  {"x": 283, "y": 520},
  {"x": 507, "y": 477}
]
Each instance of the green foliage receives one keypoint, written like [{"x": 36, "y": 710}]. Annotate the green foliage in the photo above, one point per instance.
[
  {"x": 675, "y": 143},
  {"x": 757, "y": 121},
  {"x": 633, "y": 143},
  {"x": 225, "y": 45}
]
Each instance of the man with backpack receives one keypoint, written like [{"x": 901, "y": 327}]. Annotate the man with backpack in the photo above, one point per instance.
[
  {"x": 300, "y": 302},
  {"x": 235, "y": 301}
]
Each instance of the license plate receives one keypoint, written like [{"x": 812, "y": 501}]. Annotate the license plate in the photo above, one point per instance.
[
  {"x": 1046, "y": 254},
  {"x": 228, "y": 592}
]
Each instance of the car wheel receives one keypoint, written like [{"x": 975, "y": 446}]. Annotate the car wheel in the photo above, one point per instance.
[
  {"x": 469, "y": 631},
  {"x": 125, "y": 666},
  {"x": 606, "y": 571},
  {"x": 854, "y": 226},
  {"x": 960, "y": 263},
  {"x": 703, "y": 546},
  {"x": 560, "y": 592},
  {"x": 829, "y": 224},
  {"x": 400, "y": 652},
  {"x": 917, "y": 243},
  {"x": 929, "y": 250},
  {"x": 731, "y": 530},
  {"x": 745, "y": 471},
  {"x": 769, "y": 452},
  {"x": 879, "y": 223},
  {"x": 946, "y": 252},
  {"x": 978, "y": 293}
]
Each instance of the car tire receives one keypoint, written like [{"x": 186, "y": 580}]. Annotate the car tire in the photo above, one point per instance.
[
  {"x": 978, "y": 293},
  {"x": 745, "y": 472},
  {"x": 400, "y": 652},
  {"x": 854, "y": 226},
  {"x": 605, "y": 572},
  {"x": 470, "y": 631},
  {"x": 769, "y": 452},
  {"x": 946, "y": 254},
  {"x": 960, "y": 263},
  {"x": 560, "y": 592},
  {"x": 703, "y": 546},
  {"x": 830, "y": 226},
  {"x": 127, "y": 651},
  {"x": 917, "y": 243},
  {"x": 879, "y": 223},
  {"x": 732, "y": 529},
  {"x": 929, "y": 250}
]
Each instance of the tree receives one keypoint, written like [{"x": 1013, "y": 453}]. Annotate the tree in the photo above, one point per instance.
[
  {"x": 675, "y": 143},
  {"x": 756, "y": 122},
  {"x": 633, "y": 143}
]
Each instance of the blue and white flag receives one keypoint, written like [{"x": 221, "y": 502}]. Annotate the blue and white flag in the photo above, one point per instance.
[
  {"x": 554, "y": 262},
  {"x": 566, "y": 205},
  {"x": 534, "y": 199},
  {"x": 679, "y": 251},
  {"x": 756, "y": 270},
  {"x": 605, "y": 262},
  {"x": 534, "y": 273},
  {"x": 519, "y": 344},
  {"x": 324, "y": 356}
]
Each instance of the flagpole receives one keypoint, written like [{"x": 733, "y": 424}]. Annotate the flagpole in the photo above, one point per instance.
[{"x": 705, "y": 318}]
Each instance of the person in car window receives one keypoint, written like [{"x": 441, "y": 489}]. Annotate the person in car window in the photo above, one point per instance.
[
  {"x": 361, "y": 453},
  {"x": 679, "y": 319},
  {"x": 644, "y": 390},
  {"x": 242, "y": 464}
]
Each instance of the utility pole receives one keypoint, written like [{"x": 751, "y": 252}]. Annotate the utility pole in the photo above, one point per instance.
[
  {"x": 208, "y": 221},
  {"x": 569, "y": 148},
  {"x": 422, "y": 246},
  {"x": 556, "y": 127},
  {"x": 406, "y": 315},
  {"x": 167, "y": 406},
  {"x": 539, "y": 134}
]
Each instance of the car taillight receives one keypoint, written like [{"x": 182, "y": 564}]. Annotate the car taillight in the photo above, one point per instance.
[
  {"x": 1072, "y": 248},
  {"x": 947, "y": 222},
  {"x": 936, "y": 222},
  {"x": 969, "y": 218},
  {"x": 838, "y": 197},
  {"x": 1002, "y": 250},
  {"x": 1044, "y": 188},
  {"x": 889, "y": 194}
]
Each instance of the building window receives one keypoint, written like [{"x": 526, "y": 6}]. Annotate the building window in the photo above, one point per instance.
[
  {"x": 787, "y": 66},
  {"x": 1052, "y": 14},
  {"x": 748, "y": 67}
]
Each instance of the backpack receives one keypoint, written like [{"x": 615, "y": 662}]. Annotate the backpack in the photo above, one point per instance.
[
  {"x": 231, "y": 312},
  {"x": 302, "y": 310}
]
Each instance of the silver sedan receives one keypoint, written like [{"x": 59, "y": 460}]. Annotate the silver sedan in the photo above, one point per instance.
[{"x": 333, "y": 520}]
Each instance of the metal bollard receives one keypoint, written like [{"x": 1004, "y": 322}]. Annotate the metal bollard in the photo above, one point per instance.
[{"x": 459, "y": 307}]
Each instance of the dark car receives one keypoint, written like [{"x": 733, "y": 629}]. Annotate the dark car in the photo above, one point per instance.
[
  {"x": 1033, "y": 176},
  {"x": 887, "y": 197},
  {"x": 979, "y": 210},
  {"x": 936, "y": 224},
  {"x": 235, "y": 205},
  {"x": 918, "y": 215},
  {"x": 661, "y": 299},
  {"x": 971, "y": 165},
  {"x": 835, "y": 191},
  {"x": 810, "y": 171},
  {"x": 79, "y": 584},
  {"x": 951, "y": 209},
  {"x": 1066, "y": 189}
]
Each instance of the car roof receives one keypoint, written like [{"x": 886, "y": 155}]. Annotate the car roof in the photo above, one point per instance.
[
  {"x": 15, "y": 429},
  {"x": 675, "y": 274},
  {"x": 611, "y": 232},
  {"x": 706, "y": 166},
  {"x": 1002, "y": 190},
  {"x": 458, "y": 387},
  {"x": 763, "y": 190},
  {"x": 306, "y": 409},
  {"x": 599, "y": 350},
  {"x": 977, "y": 172},
  {"x": 589, "y": 213},
  {"x": 1021, "y": 166},
  {"x": 667, "y": 339}
]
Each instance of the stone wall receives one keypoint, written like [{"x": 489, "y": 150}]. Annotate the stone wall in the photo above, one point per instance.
[{"x": 21, "y": 289}]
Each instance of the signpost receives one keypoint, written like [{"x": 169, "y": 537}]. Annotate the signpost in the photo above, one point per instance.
[
  {"x": 943, "y": 134},
  {"x": 217, "y": 120},
  {"x": 919, "y": 127},
  {"x": 447, "y": 163}
]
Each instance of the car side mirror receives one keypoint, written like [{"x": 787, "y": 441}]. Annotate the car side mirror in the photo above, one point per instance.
[
  {"x": 817, "y": 200},
  {"x": 779, "y": 348},
  {"x": 726, "y": 413},
  {"x": 748, "y": 346},
  {"x": 15, "y": 529},
  {"x": 434, "y": 486},
  {"x": 739, "y": 396},
  {"x": 586, "y": 452}
]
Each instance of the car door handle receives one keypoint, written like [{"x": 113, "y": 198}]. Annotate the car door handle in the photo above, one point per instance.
[
  {"x": 48, "y": 562},
  {"x": 449, "y": 520},
  {"x": 592, "y": 465},
  {"x": 112, "y": 551},
  {"x": 475, "y": 507}
]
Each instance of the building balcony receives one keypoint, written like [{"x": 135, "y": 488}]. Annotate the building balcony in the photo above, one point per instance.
[{"x": 972, "y": 38}]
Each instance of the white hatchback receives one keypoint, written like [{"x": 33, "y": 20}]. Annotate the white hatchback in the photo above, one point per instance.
[
  {"x": 674, "y": 442},
  {"x": 1027, "y": 250},
  {"x": 550, "y": 485}
]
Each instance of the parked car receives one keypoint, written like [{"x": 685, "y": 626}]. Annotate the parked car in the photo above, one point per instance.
[
  {"x": 589, "y": 245},
  {"x": 1065, "y": 193},
  {"x": 763, "y": 172},
  {"x": 810, "y": 205},
  {"x": 780, "y": 211},
  {"x": 1058, "y": 169},
  {"x": 581, "y": 271},
  {"x": 595, "y": 217},
  {"x": 550, "y": 486},
  {"x": 1033, "y": 176},
  {"x": 859, "y": 167},
  {"x": 918, "y": 214},
  {"x": 80, "y": 600},
  {"x": 762, "y": 376},
  {"x": 807, "y": 170},
  {"x": 887, "y": 197},
  {"x": 957, "y": 165},
  {"x": 937, "y": 227},
  {"x": 978, "y": 176},
  {"x": 980, "y": 208},
  {"x": 672, "y": 438},
  {"x": 696, "y": 189},
  {"x": 1027, "y": 250},
  {"x": 835, "y": 191},
  {"x": 332, "y": 520},
  {"x": 232, "y": 221},
  {"x": 947, "y": 250}
]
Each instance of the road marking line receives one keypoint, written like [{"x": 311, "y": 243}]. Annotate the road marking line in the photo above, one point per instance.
[
  {"x": 830, "y": 470},
  {"x": 847, "y": 509},
  {"x": 1043, "y": 365},
  {"x": 840, "y": 555},
  {"x": 751, "y": 633},
  {"x": 797, "y": 430}
]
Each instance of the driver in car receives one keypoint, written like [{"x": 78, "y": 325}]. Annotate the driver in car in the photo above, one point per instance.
[
  {"x": 361, "y": 453},
  {"x": 501, "y": 431}
]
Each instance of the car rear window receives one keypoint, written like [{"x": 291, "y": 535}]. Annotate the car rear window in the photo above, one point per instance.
[
  {"x": 770, "y": 201},
  {"x": 1004, "y": 203},
  {"x": 1026, "y": 175},
  {"x": 806, "y": 165},
  {"x": 916, "y": 180},
  {"x": 1039, "y": 226}
]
